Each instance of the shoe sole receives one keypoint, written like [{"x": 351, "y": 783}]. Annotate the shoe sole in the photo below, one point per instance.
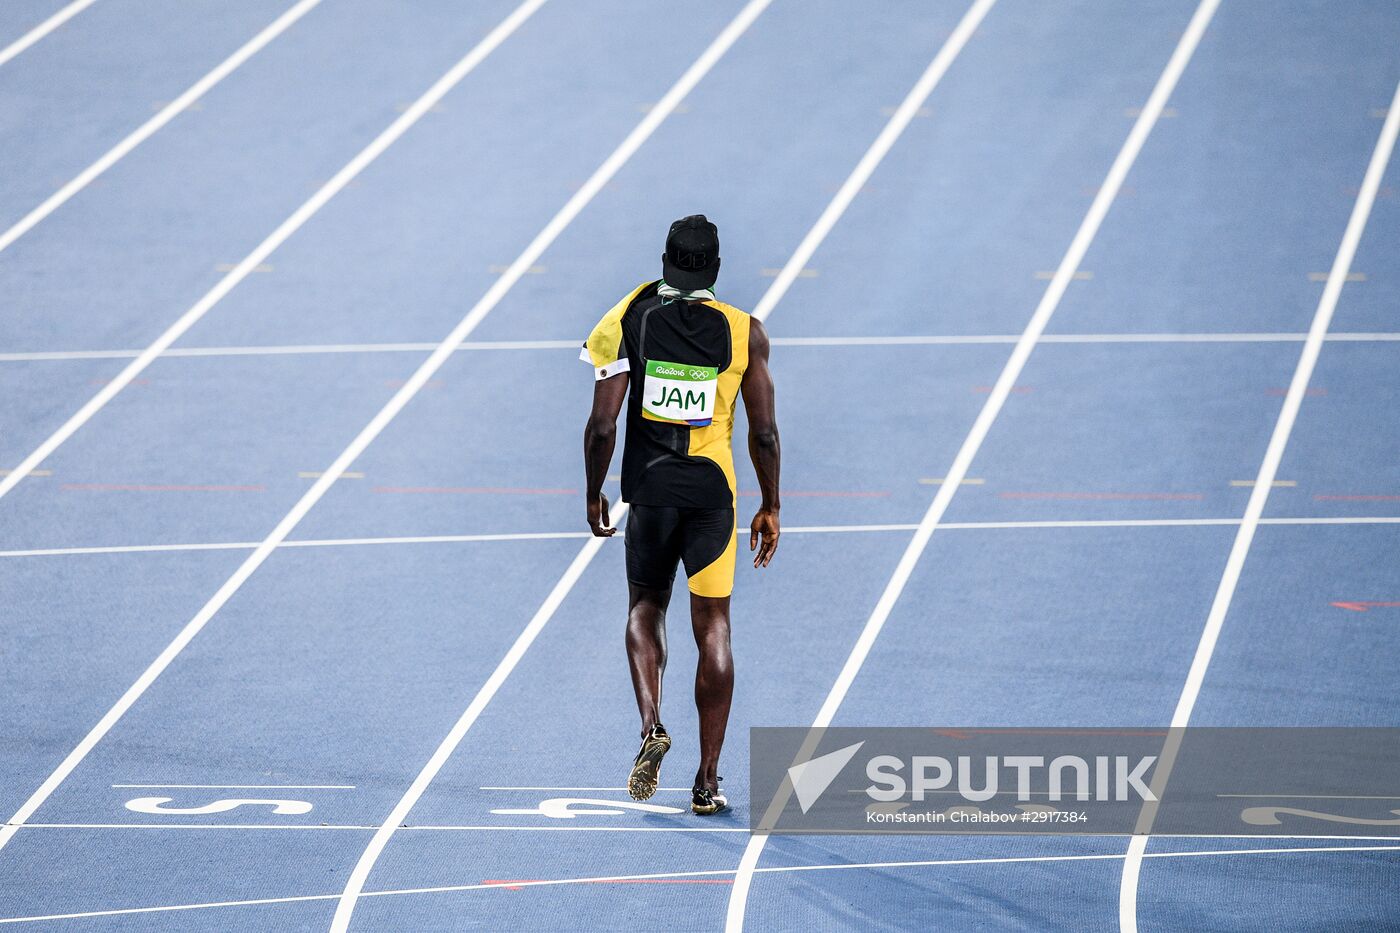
[
  {"x": 646, "y": 772},
  {"x": 720, "y": 807}
]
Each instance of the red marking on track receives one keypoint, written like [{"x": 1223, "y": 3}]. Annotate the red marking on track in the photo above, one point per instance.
[
  {"x": 1192, "y": 496},
  {"x": 1283, "y": 390},
  {"x": 1363, "y": 605},
  {"x": 1357, "y": 498},
  {"x": 965, "y": 733},
  {"x": 520, "y": 884},
  {"x": 1018, "y": 390},
  {"x": 150, "y": 487},
  {"x": 826, "y": 493},
  {"x": 477, "y": 490}
]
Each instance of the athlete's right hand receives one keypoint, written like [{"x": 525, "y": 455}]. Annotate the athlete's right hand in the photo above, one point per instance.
[
  {"x": 598, "y": 517},
  {"x": 765, "y": 527}
]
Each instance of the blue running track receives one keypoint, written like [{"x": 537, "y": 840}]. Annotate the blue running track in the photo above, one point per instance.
[{"x": 1068, "y": 583}]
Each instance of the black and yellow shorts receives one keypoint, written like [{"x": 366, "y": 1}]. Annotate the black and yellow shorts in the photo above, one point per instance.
[{"x": 659, "y": 537}]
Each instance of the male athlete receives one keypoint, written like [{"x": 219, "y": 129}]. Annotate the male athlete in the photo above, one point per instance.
[{"x": 685, "y": 358}]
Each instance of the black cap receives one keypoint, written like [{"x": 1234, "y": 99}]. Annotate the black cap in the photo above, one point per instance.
[{"x": 691, "y": 260}]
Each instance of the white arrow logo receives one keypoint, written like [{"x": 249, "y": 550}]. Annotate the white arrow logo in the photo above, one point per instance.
[{"x": 811, "y": 778}]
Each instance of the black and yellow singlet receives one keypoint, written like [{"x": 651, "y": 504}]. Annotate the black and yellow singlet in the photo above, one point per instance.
[{"x": 686, "y": 360}]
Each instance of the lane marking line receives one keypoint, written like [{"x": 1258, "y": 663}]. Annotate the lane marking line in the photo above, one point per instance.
[
  {"x": 160, "y": 487},
  {"x": 563, "y": 828},
  {"x": 1105, "y": 495},
  {"x": 275, "y": 239},
  {"x": 1168, "y": 113},
  {"x": 148, "y": 129},
  {"x": 1079, "y": 275},
  {"x": 856, "y": 341},
  {"x": 242, "y": 786},
  {"x": 939, "y": 481},
  {"x": 43, "y": 29},
  {"x": 1010, "y": 375},
  {"x": 618, "y": 789},
  {"x": 648, "y": 108},
  {"x": 475, "y": 490},
  {"x": 906, "y": 111},
  {"x": 888, "y": 111},
  {"x": 345, "y": 906},
  {"x": 317, "y": 474},
  {"x": 230, "y": 266},
  {"x": 1278, "y": 483},
  {"x": 27, "y": 827},
  {"x": 31, "y": 472},
  {"x": 1254, "y": 510},
  {"x": 1312, "y": 796},
  {"x": 320, "y": 486},
  {"x": 795, "y": 529},
  {"x": 773, "y": 869},
  {"x": 1350, "y": 277}
]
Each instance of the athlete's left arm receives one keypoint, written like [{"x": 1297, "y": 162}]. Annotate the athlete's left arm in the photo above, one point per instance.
[
  {"x": 757, "y": 389},
  {"x": 599, "y": 439}
]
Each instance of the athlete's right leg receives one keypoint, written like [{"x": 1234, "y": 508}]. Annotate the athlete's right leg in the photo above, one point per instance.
[
  {"x": 709, "y": 562},
  {"x": 646, "y": 648}
]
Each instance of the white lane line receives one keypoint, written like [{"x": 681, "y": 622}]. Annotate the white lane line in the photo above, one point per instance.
[
  {"x": 128, "y": 549},
  {"x": 794, "y": 530},
  {"x": 436, "y": 828},
  {"x": 765, "y": 307},
  {"x": 248, "y": 786},
  {"x": 279, "y": 236},
  {"x": 958, "y": 470},
  {"x": 1311, "y": 796},
  {"x": 320, "y": 486},
  {"x": 906, "y": 112},
  {"x": 706, "y": 873},
  {"x": 43, "y": 29},
  {"x": 1258, "y": 498},
  {"x": 28, "y": 827},
  {"x": 595, "y": 183},
  {"x": 618, "y": 789},
  {"x": 148, "y": 129},
  {"x": 857, "y": 341},
  {"x": 290, "y": 350}
]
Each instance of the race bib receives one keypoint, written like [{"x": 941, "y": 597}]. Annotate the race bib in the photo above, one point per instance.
[{"x": 680, "y": 392}]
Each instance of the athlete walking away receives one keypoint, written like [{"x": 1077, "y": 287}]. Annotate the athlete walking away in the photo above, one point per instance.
[{"x": 685, "y": 358}]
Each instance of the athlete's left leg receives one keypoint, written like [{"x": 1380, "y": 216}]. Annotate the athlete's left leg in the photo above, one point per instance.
[
  {"x": 714, "y": 681},
  {"x": 646, "y": 649}
]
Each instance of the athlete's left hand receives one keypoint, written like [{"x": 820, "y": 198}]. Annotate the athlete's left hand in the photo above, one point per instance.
[
  {"x": 598, "y": 517},
  {"x": 765, "y": 526}
]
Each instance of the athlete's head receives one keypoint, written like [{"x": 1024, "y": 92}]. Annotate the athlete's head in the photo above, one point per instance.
[{"x": 691, "y": 260}]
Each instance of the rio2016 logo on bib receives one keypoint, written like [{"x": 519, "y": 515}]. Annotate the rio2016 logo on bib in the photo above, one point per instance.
[{"x": 680, "y": 392}]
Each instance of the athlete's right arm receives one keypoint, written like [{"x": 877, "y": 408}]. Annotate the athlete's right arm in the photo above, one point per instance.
[
  {"x": 757, "y": 389},
  {"x": 599, "y": 439}
]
